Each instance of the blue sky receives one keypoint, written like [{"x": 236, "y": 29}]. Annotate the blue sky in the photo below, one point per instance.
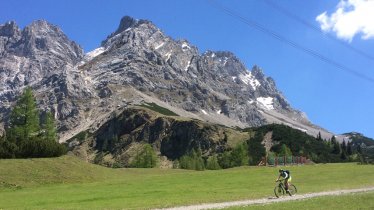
[{"x": 331, "y": 98}]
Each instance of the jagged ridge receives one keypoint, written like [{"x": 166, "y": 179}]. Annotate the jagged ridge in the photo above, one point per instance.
[{"x": 135, "y": 64}]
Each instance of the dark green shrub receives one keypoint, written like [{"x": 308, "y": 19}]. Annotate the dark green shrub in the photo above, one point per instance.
[
  {"x": 224, "y": 160},
  {"x": 37, "y": 148},
  {"x": 212, "y": 163},
  {"x": 146, "y": 158},
  {"x": 192, "y": 161}
]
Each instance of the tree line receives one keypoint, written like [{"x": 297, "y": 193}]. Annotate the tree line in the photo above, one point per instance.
[
  {"x": 30, "y": 134},
  {"x": 238, "y": 156},
  {"x": 300, "y": 143},
  {"x": 287, "y": 141}
]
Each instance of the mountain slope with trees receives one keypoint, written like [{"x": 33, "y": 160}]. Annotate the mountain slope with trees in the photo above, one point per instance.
[
  {"x": 27, "y": 135},
  {"x": 287, "y": 140}
]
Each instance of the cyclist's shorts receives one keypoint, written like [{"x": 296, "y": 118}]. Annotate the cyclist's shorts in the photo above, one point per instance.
[{"x": 289, "y": 179}]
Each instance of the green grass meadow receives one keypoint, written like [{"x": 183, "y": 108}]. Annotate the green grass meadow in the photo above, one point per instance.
[{"x": 69, "y": 183}]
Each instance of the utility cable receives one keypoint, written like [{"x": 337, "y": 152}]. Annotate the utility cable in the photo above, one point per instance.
[
  {"x": 315, "y": 28},
  {"x": 257, "y": 26}
]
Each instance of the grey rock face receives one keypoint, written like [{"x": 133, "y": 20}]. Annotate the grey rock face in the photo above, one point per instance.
[
  {"x": 141, "y": 56},
  {"x": 136, "y": 63},
  {"x": 40, "y": 56},
  {"x": 171, "y": 137}
]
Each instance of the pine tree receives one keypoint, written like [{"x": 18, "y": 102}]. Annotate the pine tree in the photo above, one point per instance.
[
  {"x": 344, "y": 151},
  {"x": 239, "y": 155},
  {"x": 256, "y": 149},
  {"x": 150, "y": 157},
  {"x": 343, "y": 156},
  {"x": 7, "y": 149},
  {"x": 24, "y": 118},
  {"x": 224, "y": 160},
  {"x": 285, "y": 151},
  {"x": 193, "y": 161},
  {"x": 344, "y": 147},
  {"x": 49, "y": 128},
  {"x": 24, "y": 137},
  {"x": 335, "y": 146},
  {"x": 198, "y": 159},
  {"x": 212, "y": 163},
  {"x": 359, "y": 148},
  {"x": 146, "y": 158},
  {"x": 349, "y": 148}
]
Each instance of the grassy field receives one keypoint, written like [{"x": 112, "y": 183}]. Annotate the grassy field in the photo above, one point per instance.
[
  {"x": 343, "y": 202},
  {"x": 69, "y": 183}
]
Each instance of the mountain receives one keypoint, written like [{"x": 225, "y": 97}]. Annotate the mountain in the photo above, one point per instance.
[
  {"x": 358, "y": 139},
  {"x": 363, "y": 144},
  {"x": 134, "y": 65},
  {"x": 41, "y": 56}
]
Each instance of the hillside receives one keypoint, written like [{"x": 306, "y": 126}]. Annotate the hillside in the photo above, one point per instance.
[
  {"x": 118, "y": 141},
  {"x": 358, "y": 138},
  {"x": 275, "y": 136},
  {"x": 125, "y": 134},
  {"x": 20, "y": 173}
]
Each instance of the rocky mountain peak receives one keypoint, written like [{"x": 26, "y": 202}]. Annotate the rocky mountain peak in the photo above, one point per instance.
[
  {"x": 33, "y": 54},
  {"x": 40, "y": 26},
  {"x": 258, "y": 73},
  {"x": 41, "y": 30},
  {"x": 9, "y": 29},
  {"x": 226, "y": 63},
  {"x": 41, "y": 37},
  {"x": 125, "y": 23},
  {"x": 219, "y": 54}
]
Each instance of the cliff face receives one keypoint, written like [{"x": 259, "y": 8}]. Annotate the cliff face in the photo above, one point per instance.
[
  {"x": 118, "y": 140},
  {"x": 137, "y": 63},
  {"x": 41, "y": 56}
]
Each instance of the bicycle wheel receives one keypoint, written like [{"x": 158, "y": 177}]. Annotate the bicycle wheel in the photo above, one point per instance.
[
  {"x": 292, "y": 190},
  {"x": 278, "y": 191}
]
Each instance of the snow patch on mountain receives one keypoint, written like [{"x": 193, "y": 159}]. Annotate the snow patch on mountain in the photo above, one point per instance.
[
  {"x": 92, "y": 54},
  {"x": 188, "y": 66},
  {"x": 225, "y": 61},
  {"x": 266, "y": 102},
  {"x": 167, "y": 55},
  {"x": 185, "y": 46},
  {"x": 159, "y": 46},
  {"x": 249, "y": 79}
]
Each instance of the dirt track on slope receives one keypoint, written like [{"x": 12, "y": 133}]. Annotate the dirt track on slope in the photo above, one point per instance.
[{"x": 269, "y": 200}]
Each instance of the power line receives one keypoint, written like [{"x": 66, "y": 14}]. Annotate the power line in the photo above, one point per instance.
[
  {"x": 315, "y": 28},
  {"x": 255, "y": 25}
]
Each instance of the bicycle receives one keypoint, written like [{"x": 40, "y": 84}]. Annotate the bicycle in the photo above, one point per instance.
[{"x": 280, "y": 189}]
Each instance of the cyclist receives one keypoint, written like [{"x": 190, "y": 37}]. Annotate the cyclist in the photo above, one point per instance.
[{"x": 285, "y": 174}]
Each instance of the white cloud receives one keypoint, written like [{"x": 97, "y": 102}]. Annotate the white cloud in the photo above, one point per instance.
[{"x": 351, "y": 17}]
